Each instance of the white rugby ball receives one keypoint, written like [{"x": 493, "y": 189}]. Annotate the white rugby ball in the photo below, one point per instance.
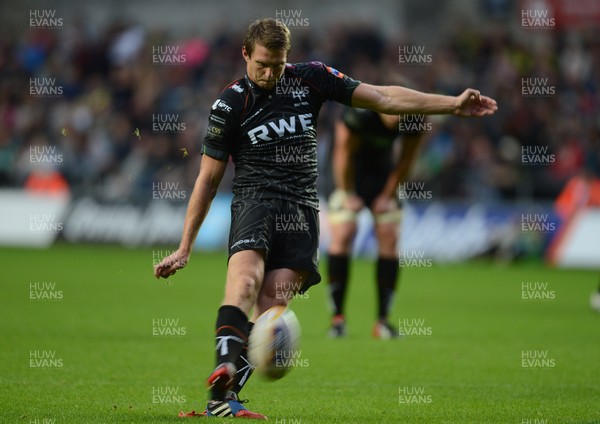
[{"x": 274, "y": 342}]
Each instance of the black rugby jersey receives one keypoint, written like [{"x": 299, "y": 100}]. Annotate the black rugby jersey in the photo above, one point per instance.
[
  {"x": 374, "y": 155},
  {"x": 271, "y": 135}
]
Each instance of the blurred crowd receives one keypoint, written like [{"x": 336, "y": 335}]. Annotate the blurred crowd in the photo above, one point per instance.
[{"x": 114, "y": 113}]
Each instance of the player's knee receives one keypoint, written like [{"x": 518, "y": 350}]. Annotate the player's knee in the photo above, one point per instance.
[
  {"x": 242, "y": 291},
  {"x": 248, "y": 287},
  {"x": 388, "y": 243}
]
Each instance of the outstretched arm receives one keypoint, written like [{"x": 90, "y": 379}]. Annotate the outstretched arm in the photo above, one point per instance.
[
  {"x": 205, "y": 189},
  {"x": 396, "y": 100}
]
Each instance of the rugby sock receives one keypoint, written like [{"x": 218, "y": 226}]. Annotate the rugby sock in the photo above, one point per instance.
[
  {"x": 338, "y": 280},
  {"x": 244, "y": 369},
  {"x": 387, "y": 277},
  {"x": 231, "y": 336}
]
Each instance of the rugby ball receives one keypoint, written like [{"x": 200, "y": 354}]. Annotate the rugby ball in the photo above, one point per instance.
[{"x": 274, "y": 342}]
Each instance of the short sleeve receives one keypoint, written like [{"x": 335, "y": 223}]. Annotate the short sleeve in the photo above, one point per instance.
[
  {"x": 221, "y": 130},
  {"x": 331, "y": 83}
]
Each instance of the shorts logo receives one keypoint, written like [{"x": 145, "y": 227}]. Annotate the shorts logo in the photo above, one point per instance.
[
  {"x": 243, "y": 241},
  {"x": 220, "y": 104}
]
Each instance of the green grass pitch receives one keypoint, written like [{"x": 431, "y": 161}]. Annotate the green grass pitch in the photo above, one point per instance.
[{"x": 97, "y": 360}]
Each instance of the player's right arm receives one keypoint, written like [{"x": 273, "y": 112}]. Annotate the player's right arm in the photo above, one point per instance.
[
  {"x": 205, "y": 189},
  {"x": 217, "y": 146}
]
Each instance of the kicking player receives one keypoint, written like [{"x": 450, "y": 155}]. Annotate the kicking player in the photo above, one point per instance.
[
  {"x": 362, "y": 134},
  {"x": 266, "y": 122}
]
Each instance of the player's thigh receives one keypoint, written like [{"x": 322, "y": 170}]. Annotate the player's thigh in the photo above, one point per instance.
[
  {"x": 295, "y": 242},
  {"x": 279, "y": 287},
  {"x": 387, "y": 238},
  {"x": 342, "y": 237}
]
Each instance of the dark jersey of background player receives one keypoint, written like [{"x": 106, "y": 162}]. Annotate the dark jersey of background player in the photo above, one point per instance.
[
  {"x": 374, "y": 157},
  {"x": 271, "y": 134}
]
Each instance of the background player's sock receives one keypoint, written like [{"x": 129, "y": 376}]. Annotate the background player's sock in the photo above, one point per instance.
[
  {"x": 231, "y": 335},
  {"x": 244, "y": 369},
  {"x": 338, "y": 280},
  {"x": 387, "y": 277}
]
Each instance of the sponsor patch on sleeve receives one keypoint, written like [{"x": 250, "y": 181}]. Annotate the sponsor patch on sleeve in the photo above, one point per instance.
[{"x": 335, "y": 72}]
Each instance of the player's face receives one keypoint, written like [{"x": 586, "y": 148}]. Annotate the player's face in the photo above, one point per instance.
[{"x": 265, "y": 66}]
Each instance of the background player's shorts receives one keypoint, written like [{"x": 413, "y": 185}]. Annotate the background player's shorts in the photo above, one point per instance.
[
  {"x": 288, "y": 232},
  {"x": 368, "y": 187}
]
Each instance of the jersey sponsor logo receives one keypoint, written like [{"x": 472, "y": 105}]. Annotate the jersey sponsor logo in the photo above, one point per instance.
[
  {"x": 280, "y": 128},
  {"x": 215, "y": 130},
  {"x": 335, "y": 72},
  {"x": 236, "y": 87},
  {"x": 220, "y": 104}
]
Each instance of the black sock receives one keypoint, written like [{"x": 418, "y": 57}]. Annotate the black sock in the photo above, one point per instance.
[
  {"x": 338, "y": 280},
  {"x": 387, "y": 277},
  {"x": 244, "y": 369},
  {"x": 231, "y": 336}
]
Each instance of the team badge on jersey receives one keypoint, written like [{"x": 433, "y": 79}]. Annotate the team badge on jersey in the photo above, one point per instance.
[
  {"x": 335, "y": 72},
  {"x": 237, "y": 88}
]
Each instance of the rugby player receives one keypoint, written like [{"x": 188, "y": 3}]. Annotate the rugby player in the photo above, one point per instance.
[
  {"x": 361, "y": 134},
  {"x": 252, "y": 123}
]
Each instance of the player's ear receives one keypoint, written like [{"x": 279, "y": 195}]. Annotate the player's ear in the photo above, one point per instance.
[{"x": 245, "y": 54}]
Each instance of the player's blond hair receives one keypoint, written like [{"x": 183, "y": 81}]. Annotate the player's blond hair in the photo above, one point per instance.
[{"x": 270, "y": 33}]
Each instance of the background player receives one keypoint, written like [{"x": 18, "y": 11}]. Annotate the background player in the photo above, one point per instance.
[
  {"x": 251, "y": 123},
  {"x": 367, "y": 171}
]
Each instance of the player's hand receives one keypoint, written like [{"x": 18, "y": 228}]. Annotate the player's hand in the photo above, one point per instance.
[
  {"x": 472, "y": 103},
  {"x": 169, "y": 265},
  {"x": 341, "y": 199},
  {"x": 383, "y": 204}
]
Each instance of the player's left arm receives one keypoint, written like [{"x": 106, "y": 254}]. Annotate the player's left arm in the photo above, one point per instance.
[
  {"x": 396, "y": 100},
  {"x": 408, "y": 155}
]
